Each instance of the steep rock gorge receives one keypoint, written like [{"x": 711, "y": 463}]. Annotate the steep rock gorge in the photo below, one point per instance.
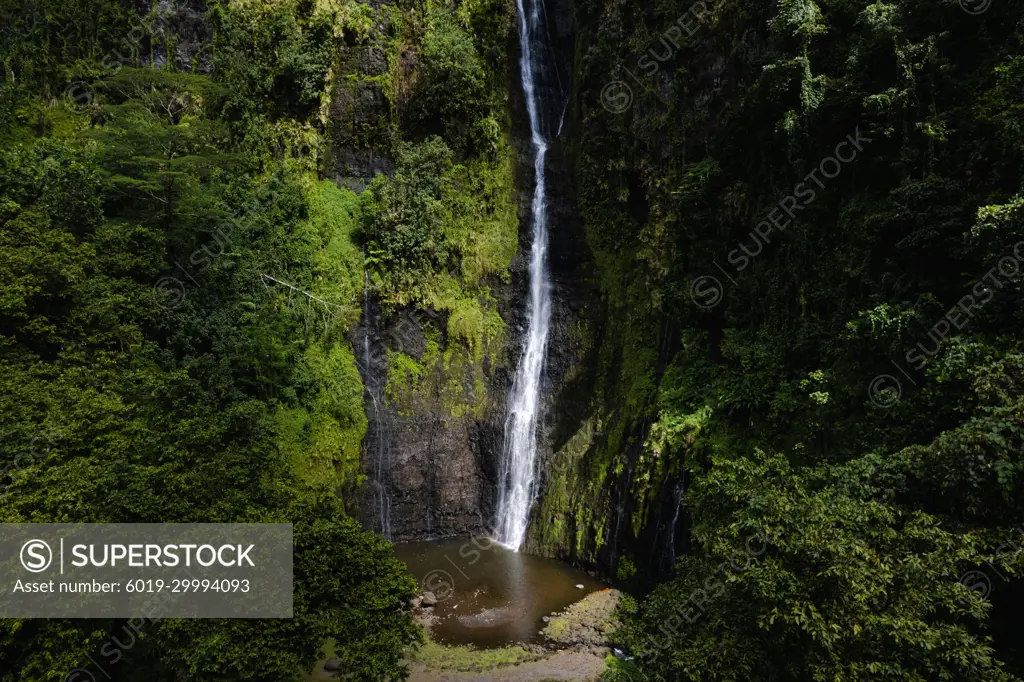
[
  {"x": 690, "y": 125},
  {"x": 434, "y": 349},
  {"x": 283, "y": 278},
  {"x": 786, "y": 203},
  {"x": 436, "y": 399}
]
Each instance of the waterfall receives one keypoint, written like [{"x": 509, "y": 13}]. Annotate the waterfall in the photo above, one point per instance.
[
  {"x": 672, "y": 527},
  {"x": 381, "y": 466},
  {"x": 516, "y": 486}
]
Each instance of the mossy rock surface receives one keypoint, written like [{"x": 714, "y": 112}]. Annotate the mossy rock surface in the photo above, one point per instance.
[
  {"x": 588, "y": 622},
  {"x": 437, "y": 656}
]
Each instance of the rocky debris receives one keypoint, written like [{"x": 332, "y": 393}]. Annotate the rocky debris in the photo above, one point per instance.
[
  {"x": 428, "y": 600},
  {"x": 425, "y": 618},
  {"x": 332, "y": 664},
  {"x": 588, "y": 623}
]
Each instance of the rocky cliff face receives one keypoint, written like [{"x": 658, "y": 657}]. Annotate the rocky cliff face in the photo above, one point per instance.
[
  {"x": 429, "y": 446},
  {"x": 435, "y": 407},
  {"x": 587, "y": 512},
  {"x": 433, "y": 446},
  {"x": 603, "y": 503},
  {"x": 178, "y": 33},
  {"x": 359, "y": 112}
]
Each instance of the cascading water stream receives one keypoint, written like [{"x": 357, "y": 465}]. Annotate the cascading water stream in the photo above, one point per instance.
[
  {"x": 516, "y": 486},
  {"x": 672, "y": 527},
  {"x": 382, "y": 468}
]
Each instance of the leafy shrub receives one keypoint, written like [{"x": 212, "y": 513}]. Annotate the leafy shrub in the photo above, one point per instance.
[
  {"x": 450, "y": 91},
  {"x": 407, "y": 219}
]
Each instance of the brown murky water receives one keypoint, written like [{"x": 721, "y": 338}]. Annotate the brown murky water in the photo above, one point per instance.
[{"x": 487, "y": 595}]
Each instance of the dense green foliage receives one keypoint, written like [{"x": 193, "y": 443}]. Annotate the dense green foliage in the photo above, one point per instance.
[
  {"x": 457, "y": 87},
  {"x": 758, "y": 390},
  {"x": 407, "y": 216},
  {"x": 180, "y": 280},
  {"x": 442, "y": 229},
  {"x": 448, "y": 97},
  {"x": 178, "y": 289}
]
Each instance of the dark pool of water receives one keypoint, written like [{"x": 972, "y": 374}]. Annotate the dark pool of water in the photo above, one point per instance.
[{"x": 487, "y": 595}]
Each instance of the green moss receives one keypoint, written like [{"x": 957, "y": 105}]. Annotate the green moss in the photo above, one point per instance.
[
  {"x": 626, "y": 568},
  {"x": 556, "y": 627},
  {"x": 566, "y": 492},
  {"x": 323, "y": 436},
  {"x": 339, "y": 423},
  {"x": 461, "y": 387},
  {"x": 466, "y": 323},
  {"x": 576, "y": 490},
  {"x": 409, "y": 380},
  {"x": 464, "y": 659},
  {"x": 446, "y": 225},
  {"x": 338, "y": 263},
  {"x": 486, "y": 229}
]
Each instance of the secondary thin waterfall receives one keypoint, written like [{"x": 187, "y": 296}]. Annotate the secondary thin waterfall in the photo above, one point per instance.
[
  {"x": 382, "y": 468},
  {"x": 516, "y": 486}
]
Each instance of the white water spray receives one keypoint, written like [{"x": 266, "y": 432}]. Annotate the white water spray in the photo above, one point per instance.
[{"x": 516, "y": 486}]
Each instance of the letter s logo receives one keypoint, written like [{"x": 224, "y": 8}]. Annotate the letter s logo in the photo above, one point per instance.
[{"x": 36, "y": 556}]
